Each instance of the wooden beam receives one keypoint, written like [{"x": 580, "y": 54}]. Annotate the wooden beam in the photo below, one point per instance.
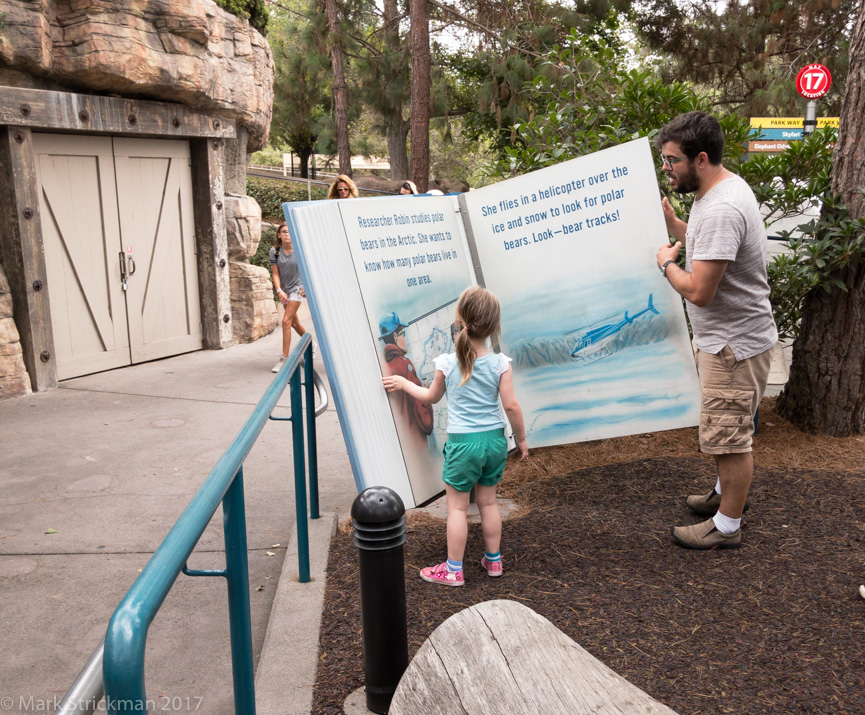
[
  {"x": 67, "y": 111},
  {"x": 208, "y": 197},
  {"x": 23, "y": 255}
]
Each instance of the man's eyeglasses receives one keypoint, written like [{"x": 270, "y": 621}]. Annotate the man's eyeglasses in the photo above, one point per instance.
[{"x": 671, "y": 160}]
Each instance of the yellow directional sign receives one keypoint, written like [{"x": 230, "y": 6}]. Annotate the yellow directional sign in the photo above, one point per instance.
[{"x": 790, "y": 122}]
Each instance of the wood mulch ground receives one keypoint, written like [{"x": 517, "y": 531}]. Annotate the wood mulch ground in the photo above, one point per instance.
[{"x": 773, "y": 627}]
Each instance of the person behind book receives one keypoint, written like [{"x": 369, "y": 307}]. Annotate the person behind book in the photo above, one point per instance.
[
  {"x": 289, "y": 289},
  {"x": 726, "y": 291},
  {"x": 474, "y": 456},
  {"x": 415, "y": 414},
  {"x": 342, "y": 188}
]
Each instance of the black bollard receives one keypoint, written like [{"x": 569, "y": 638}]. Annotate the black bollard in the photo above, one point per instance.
[{"x": 378, "y": 517}]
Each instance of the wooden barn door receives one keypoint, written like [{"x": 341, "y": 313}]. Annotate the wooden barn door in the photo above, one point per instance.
[
  {"x": 78, "y": 205},
  {"x": 119, "y": 250},
  {"x": 154, "y": 196}
]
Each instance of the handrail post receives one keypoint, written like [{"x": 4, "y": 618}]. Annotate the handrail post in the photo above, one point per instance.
[
  {"x": 299, "y": 478},
  {"x": 237, "y": 573},
  {"x": 311, "y": 442},
  {"x": 126, "y": 637}
]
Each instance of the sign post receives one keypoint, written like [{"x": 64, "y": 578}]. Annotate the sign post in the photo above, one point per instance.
[{"x": 812, "y": 82}]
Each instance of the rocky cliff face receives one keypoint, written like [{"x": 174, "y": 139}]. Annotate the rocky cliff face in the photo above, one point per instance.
[
  {"x": 253, "y": 310},
  {"x": 14, "y": 380},
  {"x": 191, "y": 52}
]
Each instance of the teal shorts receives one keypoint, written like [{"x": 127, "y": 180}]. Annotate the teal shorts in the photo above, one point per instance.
[{"x": 477, "y": 458}]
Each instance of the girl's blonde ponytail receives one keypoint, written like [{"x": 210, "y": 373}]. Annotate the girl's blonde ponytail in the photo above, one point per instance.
[{"x": 478, "y": 315}]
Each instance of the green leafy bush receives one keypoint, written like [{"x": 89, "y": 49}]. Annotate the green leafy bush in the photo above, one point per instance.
[
  {"x": 253, "y": 10},
  {"x": 587, "y": 100},
  {"x": 787, "y": 184},
  {"x": 272, "y": 193},
  {"x": 262, "y": 255}
]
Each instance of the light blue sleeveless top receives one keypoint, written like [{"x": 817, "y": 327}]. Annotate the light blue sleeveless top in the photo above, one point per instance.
[{"x": 475, "y": 406}]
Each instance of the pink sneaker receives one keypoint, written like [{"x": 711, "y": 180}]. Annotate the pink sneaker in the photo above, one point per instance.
[
  {"x": 494, "y": 568},
  {"x": 440, "y": 574}
]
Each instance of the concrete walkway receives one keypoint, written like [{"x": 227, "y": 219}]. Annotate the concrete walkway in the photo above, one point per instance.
[{"x": 92, "y": 477}]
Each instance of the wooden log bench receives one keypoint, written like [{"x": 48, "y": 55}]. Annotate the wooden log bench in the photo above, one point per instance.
[{"x": 502, "y": 657}]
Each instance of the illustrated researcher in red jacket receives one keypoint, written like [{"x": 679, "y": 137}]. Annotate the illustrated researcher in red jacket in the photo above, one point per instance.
[{"x": 416, "y": 414}]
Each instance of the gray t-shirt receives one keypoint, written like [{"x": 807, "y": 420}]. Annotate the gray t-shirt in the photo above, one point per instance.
[
  {"x": 726, "y": 225},
  {"x": 289, "y": 275}
]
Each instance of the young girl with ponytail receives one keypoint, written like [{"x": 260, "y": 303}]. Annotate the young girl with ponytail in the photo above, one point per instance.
[{"x": 475, "y": 379}]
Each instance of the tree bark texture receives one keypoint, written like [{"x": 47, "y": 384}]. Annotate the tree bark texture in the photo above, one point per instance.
[
  {"x": 303, "y": 157},
  {"x": 340, "y": 88},
  {"x": 396, "y": 131},
  {"x": 826, "y": 390},
  {"x": 420, "y": 93},
  {"x": 396, "y": 128}
]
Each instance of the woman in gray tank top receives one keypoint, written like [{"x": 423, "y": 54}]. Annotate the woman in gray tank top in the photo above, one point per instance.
[{"x": 289, "y": 289}]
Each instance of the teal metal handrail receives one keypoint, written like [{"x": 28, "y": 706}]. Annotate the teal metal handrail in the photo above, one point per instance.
[{"x": 123, "y": 660}]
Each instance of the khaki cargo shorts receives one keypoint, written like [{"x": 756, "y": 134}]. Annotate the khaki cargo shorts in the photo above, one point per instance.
[{"x": 731, "y": 392}]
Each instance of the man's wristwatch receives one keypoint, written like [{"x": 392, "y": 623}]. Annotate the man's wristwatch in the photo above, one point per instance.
[{"x": 663, "y": 268}]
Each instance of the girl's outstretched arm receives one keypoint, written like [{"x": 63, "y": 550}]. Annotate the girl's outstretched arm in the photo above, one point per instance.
[
  {"x": 514, "y": 412},
  {"x": 428, "y": 395}
]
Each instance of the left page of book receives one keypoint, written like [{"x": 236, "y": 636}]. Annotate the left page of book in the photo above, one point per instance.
[{"x": 382, "y": 277}]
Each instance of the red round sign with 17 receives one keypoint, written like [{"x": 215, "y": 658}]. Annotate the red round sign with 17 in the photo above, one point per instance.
[{"x": 813, "y": 81}]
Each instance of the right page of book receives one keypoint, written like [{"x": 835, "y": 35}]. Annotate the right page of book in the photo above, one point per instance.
[{"x": 598, "y": 337}]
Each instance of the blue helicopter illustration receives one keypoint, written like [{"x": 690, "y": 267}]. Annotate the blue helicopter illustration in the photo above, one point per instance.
[{"x": 592, "y": 345}]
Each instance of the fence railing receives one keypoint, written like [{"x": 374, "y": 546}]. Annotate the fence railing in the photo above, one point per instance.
[
  {"x": 324, "y": 180},
  {"x": 117, "y": 666}
]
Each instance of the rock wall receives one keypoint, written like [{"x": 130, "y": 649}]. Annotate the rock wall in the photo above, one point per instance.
[
  {"x": 191, "y": 52},
  {"x": 14, "y": 379},
  {"x": 253, "y": 310}
]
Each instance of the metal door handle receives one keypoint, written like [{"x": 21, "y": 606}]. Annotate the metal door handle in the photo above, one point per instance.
[
  {"x": 123, "y": 274},
  {"x": 132, "y": 261}
]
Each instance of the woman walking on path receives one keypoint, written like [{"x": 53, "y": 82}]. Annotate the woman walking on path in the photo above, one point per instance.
[
  {"x": 475, "y": 453},
  {"x": 289, "y": 289}
]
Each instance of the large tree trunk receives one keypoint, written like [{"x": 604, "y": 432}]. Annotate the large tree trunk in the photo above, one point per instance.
[
  {"x": 826, "y": 390},
  {"x": 303, "y": 159},
  {"x": 420, "y": 93},
  {"x": 396, "y": 128},
  {"x": 340, "y": 88}
]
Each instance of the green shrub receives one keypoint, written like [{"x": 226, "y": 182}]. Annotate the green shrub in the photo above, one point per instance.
[
  {"x": 269, "y": 156},
  {"x": 591, "y": 101},
  {"x": 262, "y": 255},
  {"x": 272, "y": 193},
  {"x": 252, "y": 10}
]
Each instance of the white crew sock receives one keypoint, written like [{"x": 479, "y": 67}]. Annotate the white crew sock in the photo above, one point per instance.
[
  {"x": 725, "y": 524},
  {"x": 718, "y": 486}
]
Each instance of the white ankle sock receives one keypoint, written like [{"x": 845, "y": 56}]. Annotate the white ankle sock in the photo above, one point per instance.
[
  {"x": 725, "y": 524},
  {"x": 718, "y": 486}
]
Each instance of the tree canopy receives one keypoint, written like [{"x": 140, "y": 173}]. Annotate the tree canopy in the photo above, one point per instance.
[{"x": 746, "y": 53}]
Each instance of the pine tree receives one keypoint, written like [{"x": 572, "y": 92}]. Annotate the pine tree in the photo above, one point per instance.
[
  {"x": 301, "y": 88},
  {"x": 747, "y": 52},
  {"x": 826, "y": 389}
]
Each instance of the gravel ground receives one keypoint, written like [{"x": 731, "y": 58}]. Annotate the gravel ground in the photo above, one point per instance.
[{"x": 773, "y": 627}]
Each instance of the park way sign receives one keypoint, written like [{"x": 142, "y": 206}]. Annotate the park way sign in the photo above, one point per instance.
[{"x": 813, "y": 81}]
